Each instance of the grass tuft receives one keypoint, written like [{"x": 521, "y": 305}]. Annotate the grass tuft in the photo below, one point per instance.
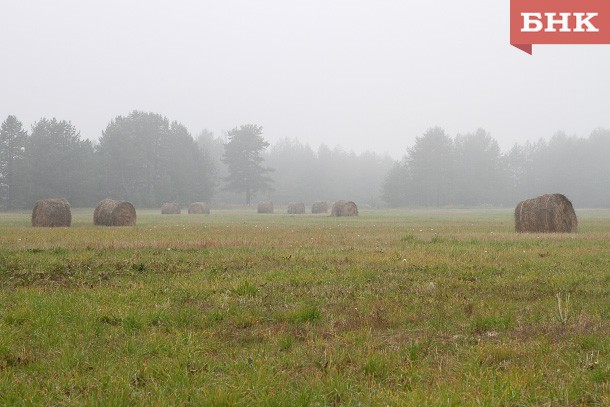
[{"x": 309, "y": 313}]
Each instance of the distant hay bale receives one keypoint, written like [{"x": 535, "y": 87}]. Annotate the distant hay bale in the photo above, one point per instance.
[
  {"x": 265, "y": 207},
  {"x": 114, "y": 213},
  {"x": 296, "y": 208},
  {"x": 319, "y": 207},
  {"x": 52, "y": 213},
  {"x": 551, "y": 213},
  {"x": 170, "y": 208},
  {"x": 199, "y": 208},
  {"x": 344, "y": 208}
]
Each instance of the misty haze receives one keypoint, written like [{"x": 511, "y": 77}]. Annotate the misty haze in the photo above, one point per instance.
[
  {"x": 347, "y": 87},
  {"x": 280, "y": 203},
  {"x": 148, "y": 160}
]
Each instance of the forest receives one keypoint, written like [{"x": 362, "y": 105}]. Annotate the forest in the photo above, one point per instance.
[{"x": 147, "y": 159}]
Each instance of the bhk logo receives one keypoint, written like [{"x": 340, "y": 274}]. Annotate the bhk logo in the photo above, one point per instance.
[{"x": 559, "y": 22}]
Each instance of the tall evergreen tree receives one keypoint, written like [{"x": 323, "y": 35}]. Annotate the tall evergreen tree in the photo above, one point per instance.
[
  {"x": 186, "y": 171},
  {"x": 396, "y": 185},
  {"x": 13, "y": 139},
  {"x": 479, "y": 177},
  {"x": 594, "y": 169},
  {"x": 212, "y": 149},
  {"x": 244, "y": 161},
  {"x": 431, "y": 161},
  {"x": 148, "y": 160},
  {"x": 293, "y": 178},
  {"x": 61, "y": 163}
]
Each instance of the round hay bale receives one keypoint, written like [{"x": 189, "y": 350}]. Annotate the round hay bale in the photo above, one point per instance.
[
  {"x": 551, "y": 213},
  {"x": 344, "y": 208},
  {"x": 265, "y": 207},
  {"x": 170, "y": 208},
  {"x": 52, "y": 213},
  {"x": 319, "y": 207},
  {"x": 114, "y": 213},
  {"x": 199, "y": 208},
  {"x": 296, "y": 208}
]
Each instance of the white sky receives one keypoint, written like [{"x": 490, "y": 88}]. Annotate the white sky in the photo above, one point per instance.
[{"x": 362, "y": 74}]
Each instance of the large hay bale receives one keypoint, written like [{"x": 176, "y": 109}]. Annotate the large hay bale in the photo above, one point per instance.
[
  {"x": 265, "y": 207},
  {"x": 344, "y": 208},
  {"x": 296, "y": 208},
  {"x": 319, "y": 207},
  {"x": 551, "y": 213},
  {"x": 114, "y": 213},
  {"x": 199, "y": 208},
  {"x": 52, "y": 213},
  {"x": 170, "y": 208}
]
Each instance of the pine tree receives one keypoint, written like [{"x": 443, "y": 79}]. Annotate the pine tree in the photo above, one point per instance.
[
  {"x": 244, "y": 161},
  {"x": 61, "y": 162},
  {"x": 148, "y": 160},
  {"x": 13, "y": 141}
]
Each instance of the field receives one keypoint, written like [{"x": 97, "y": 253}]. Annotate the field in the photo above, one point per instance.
[{"x": 393, "y": 307}]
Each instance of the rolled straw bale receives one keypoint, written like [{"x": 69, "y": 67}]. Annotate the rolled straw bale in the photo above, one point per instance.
[
  {"x": 51, "y": 213},
  {"x": 265, "y": 207},
  {"x": 296, "y": 208},
  {"x": 319, "y": 207},
  {"x": 344, "y": 208},
  {"x": 550, "y": 213},
  {"x": 114, "y": 213},
  {"x": 199, "y": 208},
  {"x": 170, "y": 208}
]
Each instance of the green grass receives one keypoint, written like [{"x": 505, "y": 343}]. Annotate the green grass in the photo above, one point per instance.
[{"x": 396, "y": 307}]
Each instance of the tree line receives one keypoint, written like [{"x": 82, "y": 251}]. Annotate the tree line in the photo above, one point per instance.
[
  {"x": 298, "y": 173},
  {"x": 147, "y": 159},
  {"x": 142, "y": 157},
  {"x": 470, "y": 170}
]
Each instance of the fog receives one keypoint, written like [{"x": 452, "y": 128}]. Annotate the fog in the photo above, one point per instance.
[{"x": 361, "y": 74}]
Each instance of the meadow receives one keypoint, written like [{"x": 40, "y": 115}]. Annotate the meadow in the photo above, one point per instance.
[{"x": 393, "y": 307}]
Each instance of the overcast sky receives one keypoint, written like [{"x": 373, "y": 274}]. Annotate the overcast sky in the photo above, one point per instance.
[{"x": 363, "y": 74}]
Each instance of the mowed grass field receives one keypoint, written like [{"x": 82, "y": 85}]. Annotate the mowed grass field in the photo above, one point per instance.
[{"x": 393, "y": 307}]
